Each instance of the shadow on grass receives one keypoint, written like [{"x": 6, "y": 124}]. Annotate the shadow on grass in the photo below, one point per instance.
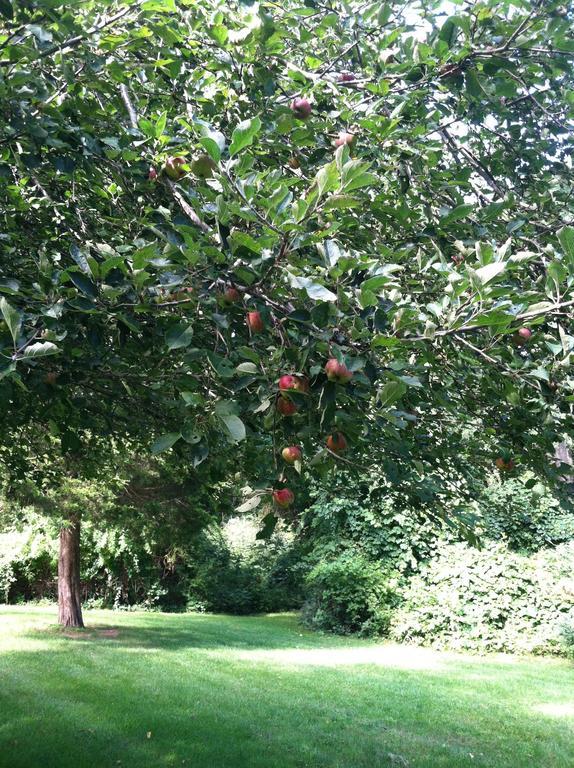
[
  {"x": 151, "y": 690},
  {"x": 105, "y": 703},
  {"x": 181, "y": 631}
]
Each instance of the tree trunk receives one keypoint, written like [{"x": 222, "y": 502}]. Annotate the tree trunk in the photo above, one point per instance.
[{"x": 69, "y": 594}]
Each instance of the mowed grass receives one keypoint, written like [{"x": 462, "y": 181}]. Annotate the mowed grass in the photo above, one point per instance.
[{"x": 142, "y": 690}]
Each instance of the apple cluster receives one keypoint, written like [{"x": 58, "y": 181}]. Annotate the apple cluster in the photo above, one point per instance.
[{"x": 336, "y": 442}]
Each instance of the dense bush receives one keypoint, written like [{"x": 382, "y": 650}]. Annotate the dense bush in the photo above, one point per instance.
[
  {"x": 350, "y": 594},
  {"x": 567, "y": 638},
  {"x": 236, "y": 573},
  {"x": 525, "y": 514},
  {"x": 28, "y": 563},
  {"x": 364, "y": 514},
  {"x": 224, "y": 569},
  {"x": 490, "y": 600}
]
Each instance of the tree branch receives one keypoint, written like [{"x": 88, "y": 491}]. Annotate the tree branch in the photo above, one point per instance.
[{"x": 73, "y": 42}]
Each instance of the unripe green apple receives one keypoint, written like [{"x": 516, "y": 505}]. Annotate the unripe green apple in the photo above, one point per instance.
[{"x": 174, "y": 167}]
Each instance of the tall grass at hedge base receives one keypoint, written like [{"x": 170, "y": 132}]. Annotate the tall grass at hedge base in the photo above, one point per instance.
[{"x": 491, "y": 599}]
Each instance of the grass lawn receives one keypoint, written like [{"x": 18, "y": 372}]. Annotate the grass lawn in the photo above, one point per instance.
[{"x": 144, "y": 690}]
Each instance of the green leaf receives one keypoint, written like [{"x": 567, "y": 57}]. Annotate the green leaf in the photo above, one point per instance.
[
  {"x": 80, "y": 259},
  {"x": 391, "y": 392},
  {"x": 160, "y": 6},
  {"x": 160, "y": 125},
  {"x": 538, "y": 308},
  {"x": 165, "y": 442},
  {"x": 211, "y": 147},
  {"x": 190, "y": 434},
  {"x": 12, "y": 318},
  {"x": 557, "y": 272},
  {"x": 331, "y": 251},
  {"x": 473, "y": 85},
  {"x": 460, "y": 212},
  {"x": 179, "y": 336},
  {"x": 361, "y": 180},
  {"x": 249, "y": 505},
  {"x": 221, "y": 366},
  {"x": 219, "y": 33},
  {"x": 354, "y": 175},
  {"x": 314, "y": 291},
  {"x": 239, "y": 239},
  {"x": 375, "y": 283},
  {"x": 244, "y": 134},
  {"x": 490, "y": 271},
  {"x": 84, "y": 284},
  {"x": 192, "y": 398},
  {"x": 566, "y": 240},
  {"x": 340, "y": 202},
  {"x": 448, "y": 32},
  {"x": 40, "y": 349},
  {"x": 327, "y": 178},
  {"x": 146, "y": 127},
  {"x": 234, "y": 426},
  {"x": 540, "y": 373},
  {"x": 269, "y": 523},
  {"x": 247, "y": 368}
]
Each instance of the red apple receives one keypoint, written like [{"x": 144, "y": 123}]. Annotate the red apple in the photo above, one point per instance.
[
  {"x": 522, "y": 336},
  {"x": 152, "y": 175},
  {"x": 503, "y": 465},
  {"x": 231, "y": 295},
  {"x": 301, "y": 108},
  {"x": 344, "y": 138},
  {"x": 283, "y": 497},
  {"x": 337, "y": 371},
  {"x": 255, "y": 322},
  {"x": 288, "y": 383},
  {"x": 286, "y": 407},
  {"x": 174, "y": 169},
  {"x": 346, "y": 77},
  {"x": 337, "y": 442},
  {"x": 291, "y": 454},
  {"x": 302, "y": 384}
]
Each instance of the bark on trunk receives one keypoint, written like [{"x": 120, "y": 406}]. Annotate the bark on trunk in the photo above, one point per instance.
[{"x": 69, "y": 593}]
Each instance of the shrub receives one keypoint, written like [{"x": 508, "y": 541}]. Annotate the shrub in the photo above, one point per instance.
[
  {"x": 525, "y": 514},
  {"x": 568, "y": 640},
  {"x": 233, "y": 572},
  {"x": 28, "y": 561},
  {"x": 490, "y": 600},
  {"x": 350, "y": 594},
  {"x": 364, "y": 514}
]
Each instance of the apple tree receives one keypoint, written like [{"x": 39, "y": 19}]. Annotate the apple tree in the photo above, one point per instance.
[{"x": 330, "y": 232}]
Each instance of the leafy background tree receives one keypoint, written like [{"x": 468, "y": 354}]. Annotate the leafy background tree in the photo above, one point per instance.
[{"x": 156, "y": 156}]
